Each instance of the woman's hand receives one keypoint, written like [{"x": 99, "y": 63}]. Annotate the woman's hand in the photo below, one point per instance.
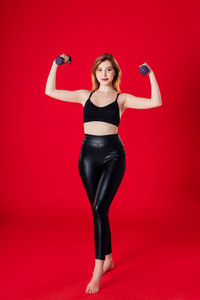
[
  {"x": 66, "y": 58},
  {"x": 150, "y": 70}
]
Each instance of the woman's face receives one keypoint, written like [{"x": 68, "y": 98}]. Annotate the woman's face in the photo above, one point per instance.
[{"x": 105, "y": 70}]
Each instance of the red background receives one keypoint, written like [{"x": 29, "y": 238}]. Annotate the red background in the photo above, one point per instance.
[{"x": 41, "y": 137}]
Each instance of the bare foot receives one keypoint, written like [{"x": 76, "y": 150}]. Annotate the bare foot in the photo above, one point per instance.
[
  {"x": 94, "y": 284},
  {"x": 108, "y": 266}
]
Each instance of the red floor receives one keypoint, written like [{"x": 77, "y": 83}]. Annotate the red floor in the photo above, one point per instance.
[{"x": 152, "y": 261}]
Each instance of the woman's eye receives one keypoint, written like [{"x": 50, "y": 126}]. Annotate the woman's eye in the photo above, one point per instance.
[{"x": 109, "y": 69}]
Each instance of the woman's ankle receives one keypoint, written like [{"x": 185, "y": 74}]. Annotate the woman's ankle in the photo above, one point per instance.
[{"x": 108, "y": 257}]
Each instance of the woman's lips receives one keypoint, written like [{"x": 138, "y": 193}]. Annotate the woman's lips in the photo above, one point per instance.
[{"x": 104, "y": 79}]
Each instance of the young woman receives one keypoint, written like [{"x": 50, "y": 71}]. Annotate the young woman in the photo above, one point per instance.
[{"x": 102, "y": 159}]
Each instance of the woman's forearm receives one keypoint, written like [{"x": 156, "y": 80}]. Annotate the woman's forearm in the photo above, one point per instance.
[
  {"x": 155, "y": 91},
  {"x": 51, "y": 81}
]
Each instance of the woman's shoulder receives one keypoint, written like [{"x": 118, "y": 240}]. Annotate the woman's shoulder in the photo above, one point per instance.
[
  {"x": 122, "y": 98},
  {"x": 84, "y": 95}
]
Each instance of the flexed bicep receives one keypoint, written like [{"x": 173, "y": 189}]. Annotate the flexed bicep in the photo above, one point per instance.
[{"x": 132, "y": 101}]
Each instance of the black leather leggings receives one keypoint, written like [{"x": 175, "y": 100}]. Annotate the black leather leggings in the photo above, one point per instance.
[{"x": 102, "y": 164}]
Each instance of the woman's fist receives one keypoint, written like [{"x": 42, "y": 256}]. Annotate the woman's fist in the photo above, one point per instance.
[
  {"x": 145, "y": 64},
  {"x": 66, "y": 58}
]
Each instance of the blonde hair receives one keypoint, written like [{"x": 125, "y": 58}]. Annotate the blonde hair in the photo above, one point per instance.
[{"x": 117, "y": 78}]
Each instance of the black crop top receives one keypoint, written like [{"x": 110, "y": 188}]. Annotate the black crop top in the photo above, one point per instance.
[{"x": 108, "y": 113}]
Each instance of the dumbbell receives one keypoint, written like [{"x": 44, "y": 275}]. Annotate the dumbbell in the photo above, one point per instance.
[
  {"x": 143, "y": 69},
  {"x": 60, "y": 60}
]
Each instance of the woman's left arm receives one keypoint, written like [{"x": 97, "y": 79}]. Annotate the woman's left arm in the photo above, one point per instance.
[{"x": 142, "y": 103}]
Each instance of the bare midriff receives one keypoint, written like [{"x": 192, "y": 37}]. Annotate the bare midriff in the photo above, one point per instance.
[{"x": 100, "y": 128}]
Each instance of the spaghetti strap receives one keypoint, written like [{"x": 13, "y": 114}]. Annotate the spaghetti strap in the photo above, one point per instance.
[
  {"x": 117, "y": 96},
  {"x": 91, "y": 94}
]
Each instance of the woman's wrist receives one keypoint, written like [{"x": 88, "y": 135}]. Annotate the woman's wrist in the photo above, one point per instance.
[
  {"x": 54, "y": 63},
  {"x": 151, "y": 73}
]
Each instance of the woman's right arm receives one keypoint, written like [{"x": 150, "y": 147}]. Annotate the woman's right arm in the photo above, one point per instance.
[{"x": 70, "y": 96}]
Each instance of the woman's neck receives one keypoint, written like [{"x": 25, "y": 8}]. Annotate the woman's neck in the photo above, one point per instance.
[{"x": 105, "y": 89}]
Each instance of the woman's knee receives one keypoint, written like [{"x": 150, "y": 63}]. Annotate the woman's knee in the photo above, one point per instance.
[{"x": 99, "y": 209}]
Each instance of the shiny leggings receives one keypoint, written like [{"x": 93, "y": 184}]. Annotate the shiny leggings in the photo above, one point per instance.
[{"x": 102, "y": 164}]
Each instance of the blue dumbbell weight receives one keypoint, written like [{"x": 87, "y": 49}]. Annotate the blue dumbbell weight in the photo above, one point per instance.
[
  {"x": 143, "y": 69},
  {"x": 60, "y": 60}
]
